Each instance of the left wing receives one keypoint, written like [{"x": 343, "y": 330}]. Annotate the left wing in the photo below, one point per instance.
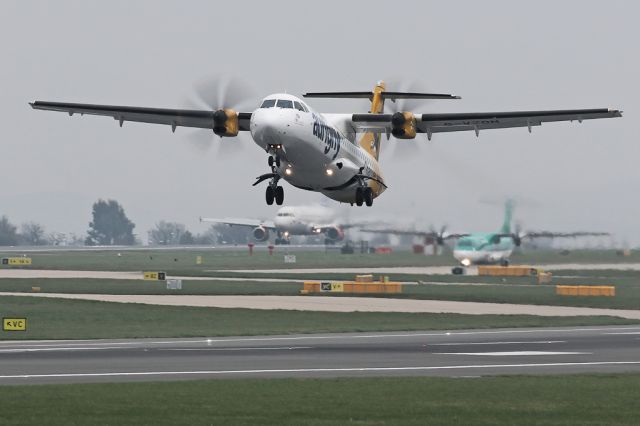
[
  {"x": 458, "y": 122},
  {"x": 171, "y": 117},
  {"x": 250, "y": 223}
]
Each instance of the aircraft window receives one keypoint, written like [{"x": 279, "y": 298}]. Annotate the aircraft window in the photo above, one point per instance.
[
  {"x": 284, "y": 104},
  {"x": 268, "y": 103},
  {"x": 299, "y": 106},
  {"x": 465, "y": 243}
]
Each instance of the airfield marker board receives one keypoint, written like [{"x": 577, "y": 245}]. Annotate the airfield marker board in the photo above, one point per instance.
[
  {"x": 16, "y": 261},
  {"x": 14, "y": 324},
  {"x": 154, "y": 276}
]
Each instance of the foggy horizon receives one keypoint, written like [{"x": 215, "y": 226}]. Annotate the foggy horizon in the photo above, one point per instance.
[{"x": 498, "y": 56}]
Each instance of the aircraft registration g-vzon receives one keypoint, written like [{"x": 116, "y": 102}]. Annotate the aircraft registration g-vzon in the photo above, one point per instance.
[
  {"x": 292, "y": 220},
  {"x": 335, "y": 154},
  {"x": 484, "y": 247}
]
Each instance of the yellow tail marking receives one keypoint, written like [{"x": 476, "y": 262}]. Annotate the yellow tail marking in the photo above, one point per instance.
[{"x": 371, "y": 141}]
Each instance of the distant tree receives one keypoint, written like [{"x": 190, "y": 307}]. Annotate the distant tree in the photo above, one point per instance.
[
  {"x": 167, "y": 233},
  {"x": 32, "y": 233},
  {"x": 58, "y": 239},
  {"x": 8, "y": 234},
  {"x": 110, "y": 225},
  {"x": 232, "y": 234},
  {"x": 187, "y": 238}
]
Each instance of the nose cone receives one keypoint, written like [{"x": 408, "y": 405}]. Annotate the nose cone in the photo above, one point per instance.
[{"x": 269, "y": 125}]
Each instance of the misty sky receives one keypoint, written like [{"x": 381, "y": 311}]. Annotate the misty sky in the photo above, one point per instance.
[{"x": 497, "y": 55}]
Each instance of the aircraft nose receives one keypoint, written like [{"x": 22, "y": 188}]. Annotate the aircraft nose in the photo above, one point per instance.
[{"x": 268, "y": 126}]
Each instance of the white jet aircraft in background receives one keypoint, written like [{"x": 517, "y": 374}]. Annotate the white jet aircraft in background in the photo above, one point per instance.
[
  {"x": 292, "y": 220},
  {"x": 321, "y": 152}
]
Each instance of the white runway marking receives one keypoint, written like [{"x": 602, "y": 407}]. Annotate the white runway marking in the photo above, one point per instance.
[
  {"x": 515, "y": 353},
  {"x": 286, "y": 348},
  {"x": 498, "y": 343},
  {"x": 16, "y": 350},
  {"x": 315, "y": 337},
  {"x": 315, "y": 370},
  {"x": 631, "y": 332}
]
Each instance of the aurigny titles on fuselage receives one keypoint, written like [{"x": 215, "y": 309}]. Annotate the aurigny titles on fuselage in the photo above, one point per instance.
[{"x": 327, "y": 134}]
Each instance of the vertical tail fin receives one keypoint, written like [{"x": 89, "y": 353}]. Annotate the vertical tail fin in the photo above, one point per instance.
[
  {"x": 508, "y": 215},
  {"x": 371, "y": 141}
]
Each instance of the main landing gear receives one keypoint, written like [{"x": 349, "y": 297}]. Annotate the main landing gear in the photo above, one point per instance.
[{"x": 364, "y": 195}]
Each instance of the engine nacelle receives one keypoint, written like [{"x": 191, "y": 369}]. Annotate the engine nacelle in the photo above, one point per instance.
[
  {"x": 403, "y": 125},
  {"x": 334, "y": 233},
  {"x": 225, "y": 122},
  {"x": 260, "y": 233}
]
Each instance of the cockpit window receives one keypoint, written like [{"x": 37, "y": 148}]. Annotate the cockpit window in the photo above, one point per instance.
[
  {"x": 299, "y": 106},
  {"x": 268, "y": 103},
  {"x": 284, "y": 104}
]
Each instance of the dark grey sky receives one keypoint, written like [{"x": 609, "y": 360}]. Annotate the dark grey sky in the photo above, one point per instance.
[{"x": 497, "y": 55}]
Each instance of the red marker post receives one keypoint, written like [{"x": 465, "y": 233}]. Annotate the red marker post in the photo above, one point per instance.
[
  {"x": 250, "y": 249},
  {"x": 270, "y": 249}
]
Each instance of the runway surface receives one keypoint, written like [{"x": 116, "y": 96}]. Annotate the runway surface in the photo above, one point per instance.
[
  {"x": 343, "y": 304},
  {"x": 432, "y": 353}
]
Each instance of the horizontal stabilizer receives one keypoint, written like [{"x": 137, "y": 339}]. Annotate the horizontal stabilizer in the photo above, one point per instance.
[{"x": 386, "y": 95}]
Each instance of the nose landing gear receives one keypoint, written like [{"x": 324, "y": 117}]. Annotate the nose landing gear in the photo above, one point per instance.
[{"x": 274, "y": 192}]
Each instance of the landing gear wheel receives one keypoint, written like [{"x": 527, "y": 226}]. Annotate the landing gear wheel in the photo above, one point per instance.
[
  {"x": 359, "y": 197},
  {"x": 279, "y": 195},
  {"x": 270, "y": 161},
  {"x": 504, "y": 262},
  {"x": 457, "y": 270},
  {"x": 368, "y": 196},
  {"x": 277, "y": 161},
  {"x": 269, "y": 195}
]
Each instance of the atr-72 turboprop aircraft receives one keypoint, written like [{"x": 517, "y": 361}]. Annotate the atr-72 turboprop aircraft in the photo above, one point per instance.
[
  {"x": 485, "y": 247},
  {"x": 321, "y": 152},
  {"x": 292, "y": 220}
]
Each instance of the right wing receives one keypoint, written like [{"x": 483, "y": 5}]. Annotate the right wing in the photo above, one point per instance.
[
  {"x": 251, "y": 223},
  {"x": 171, "y": 117},
  {"x": 476, "y": 121}
]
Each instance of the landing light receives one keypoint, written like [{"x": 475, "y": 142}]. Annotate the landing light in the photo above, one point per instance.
[
  {"x": 288, "y": 171},
  {"x": 465, "y": 262},
  {"x": 329, "y": 172}
]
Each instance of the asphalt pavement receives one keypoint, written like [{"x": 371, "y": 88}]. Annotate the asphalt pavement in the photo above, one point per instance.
[{"x": 606, "y": 349}]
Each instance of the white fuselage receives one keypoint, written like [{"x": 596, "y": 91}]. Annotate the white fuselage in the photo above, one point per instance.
[
  {"x": 314, "y": 154},
  {"x": 474, "y": 257},
  {"x": 303, "y": 220}
]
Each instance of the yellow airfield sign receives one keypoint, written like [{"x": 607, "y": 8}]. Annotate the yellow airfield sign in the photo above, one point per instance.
[
  {"x": 14, "y": 324},
  {"x": 16, "y": 261},
  {"x": 337, "y": 287},
  {"x": 154, "y": 276}
]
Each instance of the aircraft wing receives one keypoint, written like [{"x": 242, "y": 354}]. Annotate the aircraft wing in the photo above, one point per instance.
[
  {"x": 425, "y": 234},
  {"x": 252, "y": 223},
  {"x": 172, "y": 117},
  {"x": 547, "y": 234},
  {"x": 458, "y": 122}
]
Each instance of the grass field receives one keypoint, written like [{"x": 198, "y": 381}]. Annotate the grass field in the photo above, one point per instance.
[
  {"x": 183, "y": 262},
  {"x": 522, "y": 400},
  {"x": 77, "y": 319},
  {"x": 497, "y": 290}
]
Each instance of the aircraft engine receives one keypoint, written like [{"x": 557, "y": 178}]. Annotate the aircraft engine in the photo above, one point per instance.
[
  {"x": 403, "y": 125},
  {"x": 260, "y": 233},
  {"x": 225, "y": 122},
  {"x": 334, "y": 233}
]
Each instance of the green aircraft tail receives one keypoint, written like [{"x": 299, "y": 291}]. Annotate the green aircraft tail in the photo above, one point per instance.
[{"x": 508, "y": 214}]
